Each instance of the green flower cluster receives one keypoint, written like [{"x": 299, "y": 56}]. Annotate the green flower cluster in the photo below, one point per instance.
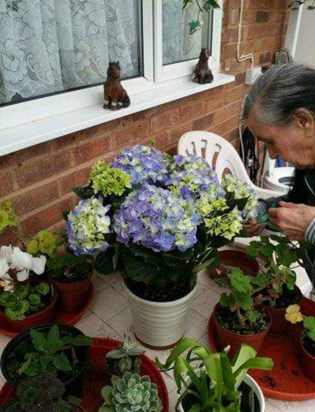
[
  {"x": 45, "y": 242},
  {"x": 227, "y": 225},
  {"x": 7, "y": 216},
  {"x": 240, "y": 190},
  {"x": 107, "y": 180}
]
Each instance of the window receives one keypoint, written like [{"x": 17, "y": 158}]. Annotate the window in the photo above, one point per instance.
[
  {"x": 54, "y": 56},
  {"x": 48, "y": 47}
]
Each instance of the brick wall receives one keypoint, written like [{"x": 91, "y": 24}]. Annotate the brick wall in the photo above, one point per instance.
[{"x": 38, "y": 180}]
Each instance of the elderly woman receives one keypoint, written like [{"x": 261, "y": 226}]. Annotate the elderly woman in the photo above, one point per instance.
[{"x": 280, "y": 111}]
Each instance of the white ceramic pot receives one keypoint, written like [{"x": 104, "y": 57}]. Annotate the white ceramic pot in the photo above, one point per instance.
[
  {"x": 254, "y": 385},
  {"x": 159, "y": 324}
]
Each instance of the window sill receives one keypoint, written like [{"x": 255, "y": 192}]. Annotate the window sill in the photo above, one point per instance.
[{"x": 28, "y": 134}]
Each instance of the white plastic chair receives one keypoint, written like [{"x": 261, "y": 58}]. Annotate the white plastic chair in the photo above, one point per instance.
[{"x": 221, "y": 155}]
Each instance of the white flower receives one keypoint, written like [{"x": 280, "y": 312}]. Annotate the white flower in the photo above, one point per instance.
[
  {"x": 7, "y": 285},
  {"x": 4, "y": 267},
  {"x": 6, "y": 253},
  {"x": 22, "y": 275}
]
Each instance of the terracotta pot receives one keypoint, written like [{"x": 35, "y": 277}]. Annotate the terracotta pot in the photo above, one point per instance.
[
  {"x": 308, "y": 362},
  {"x": 72, "y": 295},
  {"x": 16, "y": 346},
  {"x": 234, "y": 340},
  {"x": 278, "y": 322},
  {"x": 46, "y": 315},
  {"x": 236, "y": 259}
]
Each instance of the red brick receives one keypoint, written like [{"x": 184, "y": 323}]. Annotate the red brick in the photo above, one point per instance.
[
  {"x": 46, "y": 217},
  {"x": 6, "y": 183},
  {"x": 39, "y": 169},
  {"x": 262, "y": 16},
  {"x": 35, "y": 198},
  {"x": 91, "y": 149},
  {"x": 191, "y": 111},
  {"x": 164, "y": 120},
  {"x": 128, "y": 137},
  {"x": 79, "y": 177},
  {"x": 203, "y": 123}
]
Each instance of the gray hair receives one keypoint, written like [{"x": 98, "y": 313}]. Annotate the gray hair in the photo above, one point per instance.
[{"x": 279, "y": 92}]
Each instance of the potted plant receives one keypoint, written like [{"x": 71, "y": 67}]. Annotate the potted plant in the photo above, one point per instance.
[
  {"x": 211, "y": 382},
  {"x": 126, "y": 358},
  {"x": 71, "y": 275},
  {"x": 203, "y": 6},
  {"x": 237, "y": 316},
  {"x": 26, "y": 301},
  {"x": 60, "y": 349},
  {"x": 41, "y": 394},
  {"x": 307, "y": 339},
  {"x": 8, "y": 217},
  {"x": 158, "y": 220},
  {"x": 278, "y": 254},
  {"x": 131, "y": 392}
]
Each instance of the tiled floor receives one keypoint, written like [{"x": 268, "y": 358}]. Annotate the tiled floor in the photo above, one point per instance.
[{"x": 109, "y": 316}]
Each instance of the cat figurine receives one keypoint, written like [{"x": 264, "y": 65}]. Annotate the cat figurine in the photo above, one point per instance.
[
  {"x": 202, "y": 72},
  {"x": 115, "y": 96}
]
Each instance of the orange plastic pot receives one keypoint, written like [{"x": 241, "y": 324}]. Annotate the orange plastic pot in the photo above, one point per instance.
[
  {"x": 235, "y": 258},
  {"x": 308, "y": 362},
  {"x": 234, "y": 340},
  {"x": 46, "y": 315},
  {"x": 72, "y": 295}
]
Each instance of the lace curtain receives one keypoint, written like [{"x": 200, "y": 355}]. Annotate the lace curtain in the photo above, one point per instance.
[
  {"x": 178, "y": 44},
  {"x": 47, "y": 46}
]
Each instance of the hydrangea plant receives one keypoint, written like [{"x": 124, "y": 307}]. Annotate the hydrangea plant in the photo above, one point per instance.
[{"x": 157, "y": 219}]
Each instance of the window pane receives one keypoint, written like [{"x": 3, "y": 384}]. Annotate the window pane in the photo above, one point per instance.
[
  {"x": 49, "y": 46},
  {"x": 178, "y": 44}
]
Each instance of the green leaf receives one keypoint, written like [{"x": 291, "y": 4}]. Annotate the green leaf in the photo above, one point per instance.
[
  {"x": 210, "y": 4},
  {"x": 34, "y": 299},
  {"x": 193, "y": 26},
  {"x": 79, "y": 340},
  {"x": 83, "y": 192},
  {"x": 239, "y": 281},
  {"x": 61, "y": 362},
  {"x": 39, "y": 341},
  {"x": 137, "y": 269},
  {"x": 309, "y": 323},
  {"x": 104, "y": 262},
  {"x": 43, "y": 288}
]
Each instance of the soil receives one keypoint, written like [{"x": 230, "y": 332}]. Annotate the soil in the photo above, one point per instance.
[
  {"x": 167, "y": 293},
  {"x": 309, "y": 345},
  {"x": 229, "y": 320},
  {"x": 288, "y": 297},
  {"x": 247, "y": 392}
]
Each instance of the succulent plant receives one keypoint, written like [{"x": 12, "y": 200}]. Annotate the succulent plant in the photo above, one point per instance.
[
  {"x": 131, "y": 393},
  {"x": 124, "y": 359}
]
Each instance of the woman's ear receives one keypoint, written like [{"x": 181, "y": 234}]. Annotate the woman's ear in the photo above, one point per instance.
[{"x": 305, "y": 120}]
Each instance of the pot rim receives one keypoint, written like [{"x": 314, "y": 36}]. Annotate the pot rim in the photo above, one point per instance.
[
  {"x": 155, "y": 303},
  {"x": 250, "y": 382},
  {"x": 253, "y": 335},
  {"x": 304, "y": 350}
]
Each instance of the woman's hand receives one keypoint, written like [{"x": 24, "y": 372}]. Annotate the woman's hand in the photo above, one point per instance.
[
  {"x": 252, "y": 227},
  {"x": 293, "y": 219}
]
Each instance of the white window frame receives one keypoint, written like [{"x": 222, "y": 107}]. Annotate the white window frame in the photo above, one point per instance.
[
  {"x": 35, "y": 121},
  {"x": 176, "y": 70}
]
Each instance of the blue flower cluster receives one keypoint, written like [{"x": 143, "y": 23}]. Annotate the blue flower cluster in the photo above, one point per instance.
[
  {"x": 87, "y": 226},
  {"x": 191, "y": 176},
  {"x": 157, "y": 219},
  {"x": 144, "y": 164}
]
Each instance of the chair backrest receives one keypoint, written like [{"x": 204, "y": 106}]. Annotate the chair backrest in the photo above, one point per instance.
[
  {"x": 221, "y": 155},
  {"x": 218, "y": 152}
]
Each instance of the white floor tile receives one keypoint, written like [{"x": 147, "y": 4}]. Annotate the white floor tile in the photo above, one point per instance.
[
  {"x": 95, "y": 327},
  {"x": 107, "y": 303},
  {"x": 122, "y": 322},
  {"x": 205, "y": 303}
]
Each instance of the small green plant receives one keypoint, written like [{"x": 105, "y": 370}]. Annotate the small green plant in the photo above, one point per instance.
[
  {"x": 41, "y": 394},
  {"x": 52, "y": 352},
  {"x": 63, "y": 265},
  {"x": 131, "y": 392},
  {"x": 203, "y": 6},
  {"x": 7, "y": 216},
  {"x": 241, "y": 304},
  {"x": 124, "y": 359},
  {"x": 25, "y": 300},
  {"x": 211, "y": 380},
  {"x": 277, "y": 279}
]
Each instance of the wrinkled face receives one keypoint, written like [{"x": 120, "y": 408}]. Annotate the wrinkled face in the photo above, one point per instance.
[{"x": 293, "y": 142}]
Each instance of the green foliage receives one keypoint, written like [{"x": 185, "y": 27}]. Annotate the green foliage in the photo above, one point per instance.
[
  {"x": 309, "y": 326},
  {"x": 131, "y": 392},
  {"x": 126, "y": 358},
  {"x": 52, "y": 352},
  {"x": 203, "y": 6},
  {"x": 7, "y": 216},
  {"x": 214, "y": 379},
  {"x": 41, "y": 394},
  {"x": 24, "y": 300},
  {"x": 106, "y": 180}
]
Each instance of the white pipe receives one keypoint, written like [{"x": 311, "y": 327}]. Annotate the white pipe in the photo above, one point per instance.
[{"x": 239, "y": 56}]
